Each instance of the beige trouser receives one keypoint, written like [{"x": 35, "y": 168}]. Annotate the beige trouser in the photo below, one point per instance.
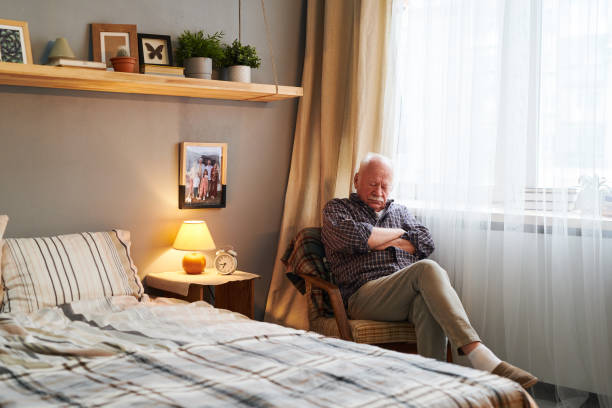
[{"x": 421, "y": 294}]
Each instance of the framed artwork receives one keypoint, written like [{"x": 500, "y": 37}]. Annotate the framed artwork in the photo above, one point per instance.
[
  {"x": 154, "y": 49},
  {"x": 202, "y": 175},
  {"x": 107, "y": 38},
  {"x": 15, "y": 42}
]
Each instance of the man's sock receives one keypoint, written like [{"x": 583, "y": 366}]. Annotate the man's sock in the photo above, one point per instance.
[{"x": 483, "y": 359}]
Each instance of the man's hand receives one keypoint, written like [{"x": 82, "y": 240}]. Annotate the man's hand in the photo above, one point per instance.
[{"x": 399, "y": 243}]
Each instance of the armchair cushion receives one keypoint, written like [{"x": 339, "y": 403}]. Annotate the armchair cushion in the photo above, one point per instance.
[
  {"x": 367, "y": 331},
  {"x": 306, "y": 254}
]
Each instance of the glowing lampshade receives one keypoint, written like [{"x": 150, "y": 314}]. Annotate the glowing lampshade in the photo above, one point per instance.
[{"x": 194, "y": 236}]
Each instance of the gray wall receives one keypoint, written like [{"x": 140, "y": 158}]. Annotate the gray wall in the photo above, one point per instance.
[{"x": 72, "y": 161}]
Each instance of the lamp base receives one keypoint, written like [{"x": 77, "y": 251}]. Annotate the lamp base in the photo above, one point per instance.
[{"x": 194, "y": 263}]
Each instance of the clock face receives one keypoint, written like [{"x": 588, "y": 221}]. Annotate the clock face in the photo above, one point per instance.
[{"x": 226, "y": 263}]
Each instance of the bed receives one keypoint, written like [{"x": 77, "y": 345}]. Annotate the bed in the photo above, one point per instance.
[{"x": 127, "y": 349}]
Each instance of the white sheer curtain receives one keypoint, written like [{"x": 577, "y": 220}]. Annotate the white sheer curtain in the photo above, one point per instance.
[{"x": 499, "y": 117}]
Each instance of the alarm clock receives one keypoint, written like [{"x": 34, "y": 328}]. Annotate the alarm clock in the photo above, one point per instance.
[{"x": 226, "y": 261}]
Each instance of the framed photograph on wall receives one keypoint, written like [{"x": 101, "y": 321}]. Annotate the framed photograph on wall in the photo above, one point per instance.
[
  {"x": 106, "y": 39},
  {"x": 202, "y": 175},
  {"x": 15, "y": 42},
  {"x": 154, "y": 49}
]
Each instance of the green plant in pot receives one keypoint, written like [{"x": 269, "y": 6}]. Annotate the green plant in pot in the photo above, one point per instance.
[
  {"x": 122, "y": 62},
  {"x": 239, "y": 59},
  {"x": 197, "y": 53}
]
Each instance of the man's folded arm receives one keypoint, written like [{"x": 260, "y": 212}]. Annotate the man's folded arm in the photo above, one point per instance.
[
  {"x": 381, "y": 238},
  {"x": 419, "y": 236}
]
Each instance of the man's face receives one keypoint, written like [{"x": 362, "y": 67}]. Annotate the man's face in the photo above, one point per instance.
[{"x": 373, "y": 184}]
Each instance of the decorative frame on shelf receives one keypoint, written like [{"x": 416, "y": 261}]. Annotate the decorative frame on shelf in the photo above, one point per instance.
[
  {"x": 202, "y": 175},
  {"x": 15, "y": 42},
  {"x": 107, "y": 38},
  {"x": 154, "y": 49}
]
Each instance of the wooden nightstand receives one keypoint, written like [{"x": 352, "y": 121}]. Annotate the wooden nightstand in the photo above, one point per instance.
[{"x": 234, "y": 292}]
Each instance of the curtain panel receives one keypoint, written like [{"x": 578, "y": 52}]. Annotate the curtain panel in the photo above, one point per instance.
[
  {"x": 499, "y": 120},
  {"x": 339, "y": 120}
]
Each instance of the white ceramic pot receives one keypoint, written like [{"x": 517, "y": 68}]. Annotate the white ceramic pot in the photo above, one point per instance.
[
  {"x": 239, "y": 73},
  {"x": 198, "y": 67}
]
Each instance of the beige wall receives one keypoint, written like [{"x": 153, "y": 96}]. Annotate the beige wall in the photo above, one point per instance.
[{"x": 73, "y": 161}]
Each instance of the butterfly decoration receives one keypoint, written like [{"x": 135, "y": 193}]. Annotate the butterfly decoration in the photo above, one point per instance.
[{"x": 154, "y": 52}]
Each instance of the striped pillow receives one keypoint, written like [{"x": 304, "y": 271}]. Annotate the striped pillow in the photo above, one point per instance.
[
  {"x": 3, "y": 221},
  {"x": 40, "y": 272}
]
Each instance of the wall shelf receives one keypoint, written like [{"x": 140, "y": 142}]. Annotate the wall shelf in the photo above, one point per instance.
[{"x": 86, "y": 79}]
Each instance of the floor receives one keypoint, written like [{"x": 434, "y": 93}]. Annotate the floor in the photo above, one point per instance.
[{"x": 547, "y": 396}]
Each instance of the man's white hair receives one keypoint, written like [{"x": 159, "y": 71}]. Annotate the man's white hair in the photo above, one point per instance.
[{"x": 371, "y": 156}]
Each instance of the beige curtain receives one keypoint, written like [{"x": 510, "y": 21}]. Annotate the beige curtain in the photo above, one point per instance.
[{"x": 339, "y": 120}]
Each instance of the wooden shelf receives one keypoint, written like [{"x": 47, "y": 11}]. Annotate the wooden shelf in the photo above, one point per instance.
[{"x": 86, "y": 79}]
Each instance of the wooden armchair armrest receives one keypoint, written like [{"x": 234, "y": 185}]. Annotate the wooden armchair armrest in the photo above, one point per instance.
[
  {"x": 319, "y": 283},
  {"x": 336, "y": 302}
]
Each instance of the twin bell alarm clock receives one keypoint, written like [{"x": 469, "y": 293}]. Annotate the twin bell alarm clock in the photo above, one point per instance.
[{"x": 226, "y": 261}]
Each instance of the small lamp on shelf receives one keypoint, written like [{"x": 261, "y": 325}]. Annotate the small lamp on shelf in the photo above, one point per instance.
[
  {"x": 194, "y": 236},
  {"x": 61, "y": 49}
]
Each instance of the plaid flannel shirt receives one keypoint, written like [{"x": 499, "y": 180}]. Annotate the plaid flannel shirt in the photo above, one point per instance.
[{"x": 347, "y": 226}]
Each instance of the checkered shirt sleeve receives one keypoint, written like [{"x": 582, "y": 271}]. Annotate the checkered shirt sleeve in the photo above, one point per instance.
[
  {"x": 342, "y": 232},
  {"x": 417, "y": 234}
]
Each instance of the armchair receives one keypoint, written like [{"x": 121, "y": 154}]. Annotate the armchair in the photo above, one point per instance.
[{"x": 307, "y": 269}]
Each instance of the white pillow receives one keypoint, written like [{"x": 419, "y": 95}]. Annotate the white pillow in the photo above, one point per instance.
[
  {"x": 40, "y": 272},
  {"x": 3, "y": 221}
]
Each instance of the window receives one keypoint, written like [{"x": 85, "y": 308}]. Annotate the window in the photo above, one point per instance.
[{"x": 497, "y": 103}]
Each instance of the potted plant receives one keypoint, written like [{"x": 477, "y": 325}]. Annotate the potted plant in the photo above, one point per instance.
[
  {"x": 239, "y": 59},
  {"x": 197, "y": 53},
  {"x": 122, "y": 62}
]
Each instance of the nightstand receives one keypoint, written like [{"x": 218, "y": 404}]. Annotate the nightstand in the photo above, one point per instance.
[{"x": 234, "y": 292}]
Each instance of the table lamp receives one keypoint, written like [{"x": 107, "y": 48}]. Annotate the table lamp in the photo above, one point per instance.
[
  {"x": 61, "y": 49},
  {"x": 194, "y": 236}
]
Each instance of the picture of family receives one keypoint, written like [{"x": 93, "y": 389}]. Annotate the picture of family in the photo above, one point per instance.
[{"x": 202, "y": 175}]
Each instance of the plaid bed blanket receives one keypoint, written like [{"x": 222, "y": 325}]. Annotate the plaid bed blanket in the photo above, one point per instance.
[
  {"x": 121, "y": 352},
  {"x": 306, "y": 254}
]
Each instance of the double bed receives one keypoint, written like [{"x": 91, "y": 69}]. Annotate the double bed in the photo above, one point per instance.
[{"x": 126, "y": 349}]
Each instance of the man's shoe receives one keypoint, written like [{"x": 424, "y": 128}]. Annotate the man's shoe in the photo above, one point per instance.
[{"x": 525, "y": 379}]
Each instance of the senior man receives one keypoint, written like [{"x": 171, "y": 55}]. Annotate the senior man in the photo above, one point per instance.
[{"x": 376, "y": 250}]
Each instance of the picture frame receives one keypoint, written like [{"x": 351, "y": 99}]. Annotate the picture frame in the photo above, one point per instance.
[
  {"x": 202, "y": 175},
  {"x": 15, "y": 43},
  {"x": 107, "y": 38},
  {"x": 154, "y": 49}
]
